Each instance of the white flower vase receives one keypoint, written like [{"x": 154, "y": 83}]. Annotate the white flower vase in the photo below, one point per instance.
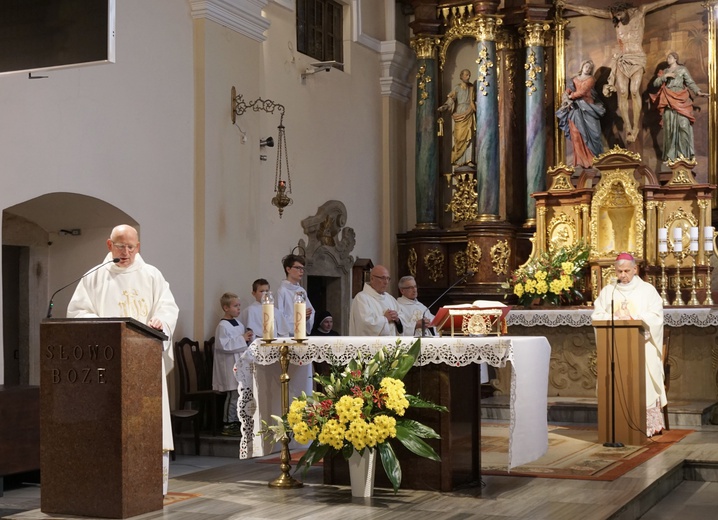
[{"x": 361, "y": 473}]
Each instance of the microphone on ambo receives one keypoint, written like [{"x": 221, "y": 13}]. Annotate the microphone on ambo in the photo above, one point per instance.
[{"x": 49, "y": 307}]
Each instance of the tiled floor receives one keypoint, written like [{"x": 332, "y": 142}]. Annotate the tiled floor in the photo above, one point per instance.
[{"x": 232, "y": 489}]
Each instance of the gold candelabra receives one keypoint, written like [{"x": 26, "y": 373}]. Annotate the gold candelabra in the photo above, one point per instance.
[
  {"x": 694, "y": 296},
  {"x": 664, "y": 281},
  {"x": 285, "y": 480},
  {"x": 679, "y": 260}
]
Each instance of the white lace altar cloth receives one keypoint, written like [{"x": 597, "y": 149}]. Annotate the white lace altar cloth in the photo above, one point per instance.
[
  {"x": 581, "y": 317},
  {"x": 259, "y": 389}
]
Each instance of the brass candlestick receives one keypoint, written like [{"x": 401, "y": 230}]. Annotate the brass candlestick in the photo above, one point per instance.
[
  {"x": 679, "y": 260},
  {"x": 285, "y": 480},
  {"x": 709, "y": 296},
  {"x": 664, "y": 281},
  {"x": 694, "y": 297}
]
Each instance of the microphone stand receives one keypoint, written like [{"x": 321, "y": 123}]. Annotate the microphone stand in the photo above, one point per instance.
[
  {"x": 613, "y": 443},
  {"x": 49, "y": 307},
  {"x": 468, "y": 274}
]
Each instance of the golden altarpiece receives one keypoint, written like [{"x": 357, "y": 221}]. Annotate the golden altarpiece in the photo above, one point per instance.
[{"x": 522, "y": 194}]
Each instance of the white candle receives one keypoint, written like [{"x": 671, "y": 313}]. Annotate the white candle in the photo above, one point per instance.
[
  {"x": 662, "y": 247},
  {"x": 694, "y": 245},
  {"x": 678, "y": 233},
  {"x": 708, "y": 232},
  {"x": 300, "y": 320},
  {"x": 678, "y": 246},
  {"x": 268, "y": 321},
  {"x": 708, "y": 245},
  {"x": 694, "y": 233},
  {"x": 662, "y": 234}
]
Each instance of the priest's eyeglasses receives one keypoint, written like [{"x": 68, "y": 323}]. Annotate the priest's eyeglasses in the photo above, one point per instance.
[{"x": 122, "y": 247}]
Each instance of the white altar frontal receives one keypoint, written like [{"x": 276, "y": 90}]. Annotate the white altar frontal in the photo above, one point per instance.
[
  {"x": 259, "y": 387},
  {"x": 692, "y": 353}
]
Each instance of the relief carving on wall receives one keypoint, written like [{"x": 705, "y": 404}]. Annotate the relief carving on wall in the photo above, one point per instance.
[{"x": 323, "y": 231}]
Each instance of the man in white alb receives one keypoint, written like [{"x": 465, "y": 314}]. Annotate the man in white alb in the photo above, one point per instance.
[
  {"x": 132, "y": 288},
  {"x": 375, "y": 312},
  {"x": 412, "y": 310},
  {"x": 634, "y": 299}
]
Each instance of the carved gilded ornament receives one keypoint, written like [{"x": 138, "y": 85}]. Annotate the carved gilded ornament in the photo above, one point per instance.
[
  {"x": 561, "y": 178},
  {"x": 608, "y": 275},
  {"x": 683, "y": 219},
  {"x": 456, "y": 14},
  {"x": 500, "y": 253},
  {"x": 434, "y": 263},
  {"x": 481, "y": 28},
  {"x": 411, "y": 262},
  {"x": 535, "y": 33},
  {"x": 464, "y": 201},
  {"x": 682, "y": 169},
  {"x": 473, "y": 256},
  {"x": 618, "y": 151},
  {"x": 425, "y": 47},
  {"x": 533, "y": 73},
  {"x": 485, "y": 66},
  {"x": 561, "y": 232},
  {"x": 617, "y": 223},
  {"x": 422, "y": 80},
  {"x": 460, "y": 262}
]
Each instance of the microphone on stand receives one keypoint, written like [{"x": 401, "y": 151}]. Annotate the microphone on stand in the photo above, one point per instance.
[
  {"x": 468, "y": 274},
  {"x": 49, "y": 307},
  {"x": 613, "y": 443}
]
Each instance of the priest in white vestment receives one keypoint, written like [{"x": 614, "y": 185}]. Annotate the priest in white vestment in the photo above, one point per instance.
[
  {"x": 412, "y": 310},
  {"x": 375, "y": 312},
  {"x": 634, "y": 299},
  {"x": 131, "y": 288}
]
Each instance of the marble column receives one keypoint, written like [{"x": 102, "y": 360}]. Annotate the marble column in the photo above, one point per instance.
[
  {"x": 487, "y": 119},
  {"x": 535, "y": 115},
  {"x": 427, "y": 146}
]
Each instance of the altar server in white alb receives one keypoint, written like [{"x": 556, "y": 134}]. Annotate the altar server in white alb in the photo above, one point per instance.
[
  {"x": 634, "y": 299},
  {"x": 293, "y": 266},
  {"x": 412, "y": 310},
  {"x": 132, "y": 288},
  {"x": 374, "y": 311}
]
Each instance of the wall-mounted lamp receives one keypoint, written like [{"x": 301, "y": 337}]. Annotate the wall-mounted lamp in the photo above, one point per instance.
[
  {"x": 321, "y": 66},
  {"x": 281, "y": 188}
]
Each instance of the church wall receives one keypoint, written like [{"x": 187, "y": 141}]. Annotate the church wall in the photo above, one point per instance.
[
  {"x": 119, "y": 132},
  {"x": 151, "y": 135}
]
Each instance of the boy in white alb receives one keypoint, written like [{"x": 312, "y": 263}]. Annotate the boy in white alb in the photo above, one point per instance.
[{"x": 230, "y": 342}]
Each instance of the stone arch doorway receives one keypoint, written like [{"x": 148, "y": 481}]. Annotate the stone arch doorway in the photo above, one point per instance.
[{"x": 48, "y": 241}]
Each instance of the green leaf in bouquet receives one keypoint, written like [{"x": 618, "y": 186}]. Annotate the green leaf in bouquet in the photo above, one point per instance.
[
  {"x": 415, "y": 444},
  {"x": 416, "y": 428},
  {"x": 314, "y": 454},
  {"x": 390, "y": 464},
  {"x": 418, "y": 402}
]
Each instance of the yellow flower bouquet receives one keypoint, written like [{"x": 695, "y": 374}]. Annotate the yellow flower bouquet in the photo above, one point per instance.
[
  {"x": 552, "y": 278},
  {"x": 361, "y": 407}
]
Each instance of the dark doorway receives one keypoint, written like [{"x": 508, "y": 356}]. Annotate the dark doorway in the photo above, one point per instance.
[{"x": 11, "y": 257}]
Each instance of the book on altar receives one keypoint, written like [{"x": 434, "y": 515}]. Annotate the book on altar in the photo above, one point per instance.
[{"x": 479, "y": 317}]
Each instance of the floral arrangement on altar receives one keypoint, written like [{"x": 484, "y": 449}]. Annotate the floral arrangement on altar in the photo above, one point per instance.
[
  {"x": 551, "y": 278},
  {"x": 361, "y": 407}
]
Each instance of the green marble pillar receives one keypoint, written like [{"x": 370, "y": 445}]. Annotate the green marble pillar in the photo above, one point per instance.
[
  {"x": 427, "y": 146},
  {"x": 487, "y": 127}
]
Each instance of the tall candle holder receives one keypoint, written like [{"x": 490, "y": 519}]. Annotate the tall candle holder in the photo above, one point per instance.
[
  {"x": 664, "y": 281},
  {"x": 708, "y": 248},
  {"x": 694, "y": 296},
  {"x": 285, "y": 480},
  {"x": 679, "y": 261}
]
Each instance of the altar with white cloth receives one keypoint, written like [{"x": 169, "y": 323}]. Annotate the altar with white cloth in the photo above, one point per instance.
[
  {"x": 259, "y": 395},
  {"x": 573, "y": 351}
]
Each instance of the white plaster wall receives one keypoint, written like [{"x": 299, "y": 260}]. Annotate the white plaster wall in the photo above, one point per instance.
[
  {"x": 127, "y": 133},
  {"x": 333, "y": 132},
  {"x": 120, "y": 132}
]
